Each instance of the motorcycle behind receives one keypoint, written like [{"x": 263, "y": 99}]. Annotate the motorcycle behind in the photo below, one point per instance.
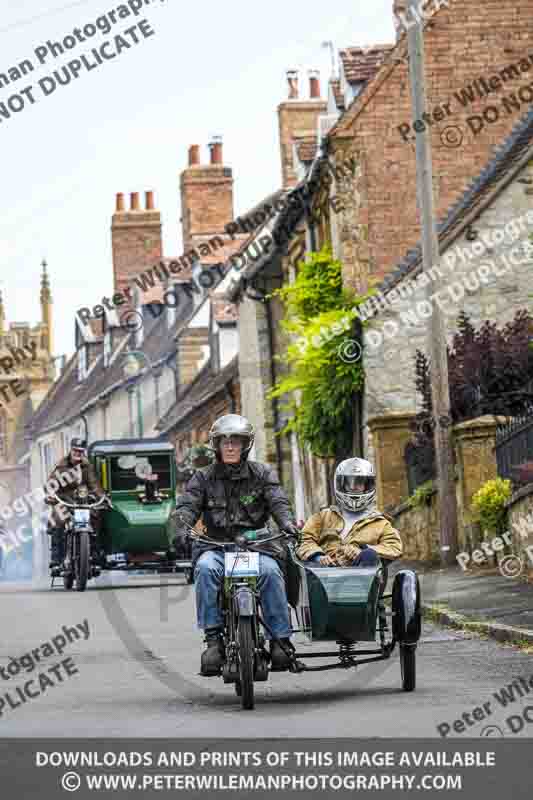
[{"x": 78, "y": 566}]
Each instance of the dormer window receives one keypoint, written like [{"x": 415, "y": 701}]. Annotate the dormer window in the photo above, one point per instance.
[{"x": 82, "y": 363}]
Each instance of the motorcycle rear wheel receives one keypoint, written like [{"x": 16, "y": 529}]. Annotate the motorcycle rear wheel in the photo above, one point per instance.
[{"x": 246, "y": 662}]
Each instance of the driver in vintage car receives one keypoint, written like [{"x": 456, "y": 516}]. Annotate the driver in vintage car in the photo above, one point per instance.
[
  {"x": 354, "y": 532},
  {"x": 73, "y": 471},
  {"x": 235, "y": 495}
]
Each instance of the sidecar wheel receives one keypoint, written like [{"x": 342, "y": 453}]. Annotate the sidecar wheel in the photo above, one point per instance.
[
  {"x": 408, "y": 667},
  {"x": 246, "y": 662}
]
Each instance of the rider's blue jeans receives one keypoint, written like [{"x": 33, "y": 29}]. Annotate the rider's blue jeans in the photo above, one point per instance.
[{"x": 208, "y": 577}]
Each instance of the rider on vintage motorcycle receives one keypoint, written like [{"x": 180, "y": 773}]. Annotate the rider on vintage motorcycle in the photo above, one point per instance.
[
  {"x": 236, "y": 495},
  {"x": 70, "y": 473},
  {"x": 354, "y": 533}
]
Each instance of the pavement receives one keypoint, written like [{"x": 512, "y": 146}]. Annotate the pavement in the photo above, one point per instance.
[{"x": 482, "y": 600}]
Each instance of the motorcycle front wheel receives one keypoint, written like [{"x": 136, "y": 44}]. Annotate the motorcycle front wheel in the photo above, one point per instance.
[
  {"x": 246, "y": 662},
  {"x": 68, "y": 576},
  {"x": 81, "y": 560}
]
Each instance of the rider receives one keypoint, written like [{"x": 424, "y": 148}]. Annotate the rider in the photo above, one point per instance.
[
  {"x": 72, "y": 471},
  {"x": 354, "y": 532},
  {"x": 236, "y": 495}
]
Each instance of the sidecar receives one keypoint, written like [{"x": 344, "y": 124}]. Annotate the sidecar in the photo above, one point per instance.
[
  {"x": 347, "y": 606},
  {"x": 140, "y": 477}
]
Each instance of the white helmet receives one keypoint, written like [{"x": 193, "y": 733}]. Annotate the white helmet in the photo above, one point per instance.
[
  {"x": 232, "y": 425},
  {"x": 348, "y": 474}
]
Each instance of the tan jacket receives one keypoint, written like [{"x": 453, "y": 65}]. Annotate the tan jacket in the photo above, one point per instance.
[{"x": 321, "y": 535}]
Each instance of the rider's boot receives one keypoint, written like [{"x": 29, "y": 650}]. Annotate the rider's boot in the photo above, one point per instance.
[
  {"x": 213, "y": 655},
  {"x": 278, "y": 660}
]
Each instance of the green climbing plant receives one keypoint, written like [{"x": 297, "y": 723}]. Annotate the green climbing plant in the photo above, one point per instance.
[{"x": 323, "y": 358}]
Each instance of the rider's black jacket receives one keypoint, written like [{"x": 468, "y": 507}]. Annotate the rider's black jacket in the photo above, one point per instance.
[{"x": 235, "y": 500}]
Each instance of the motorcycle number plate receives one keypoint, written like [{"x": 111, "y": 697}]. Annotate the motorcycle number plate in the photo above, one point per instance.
[
  {"x": 241, "y": 564},
  {"x": 82, "y": 516}
]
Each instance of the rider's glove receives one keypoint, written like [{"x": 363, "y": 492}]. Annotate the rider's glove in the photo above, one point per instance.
[{"x": 292, "y": 530}]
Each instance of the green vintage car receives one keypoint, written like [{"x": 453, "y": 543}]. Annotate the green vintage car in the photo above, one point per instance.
[{"x": 139, "y": 475}]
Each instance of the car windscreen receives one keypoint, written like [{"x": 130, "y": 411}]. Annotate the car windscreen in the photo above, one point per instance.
[{"x": 128, "y": 472}]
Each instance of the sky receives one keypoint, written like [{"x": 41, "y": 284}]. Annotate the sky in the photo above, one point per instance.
[{"x": 210, "y": 68}]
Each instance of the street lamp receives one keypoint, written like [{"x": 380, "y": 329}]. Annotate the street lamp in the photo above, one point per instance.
[{"x": 132, "y": 370}]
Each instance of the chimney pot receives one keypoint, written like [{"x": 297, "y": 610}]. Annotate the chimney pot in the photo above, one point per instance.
[
  {"x": 134, "y": 201},
  {"x": 292, "y": 80},
  {"x": 194, "y": 155},
  {"x": 314, "y": 84},
  {"x": 215, "y": 147},
  {"x": 120, "y": 202},
  {"x": 149, "y": 198}
]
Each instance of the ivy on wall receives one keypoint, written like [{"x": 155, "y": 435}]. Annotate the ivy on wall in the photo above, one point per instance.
[{"x": 323, "y": 357}]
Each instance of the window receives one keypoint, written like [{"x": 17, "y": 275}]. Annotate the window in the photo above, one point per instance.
[
  {"x": 47, "y": 460},
  {"x": 82, "y": 363},
  {"x": 124, "y": 470},
  {"x": 3, "y": 436}
]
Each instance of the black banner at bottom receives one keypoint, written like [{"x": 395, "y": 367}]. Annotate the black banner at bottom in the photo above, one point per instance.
[{"x": 205, "y": 768}]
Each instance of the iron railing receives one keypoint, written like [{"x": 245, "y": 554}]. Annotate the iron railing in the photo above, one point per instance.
[{"x": 514, "y": 444}]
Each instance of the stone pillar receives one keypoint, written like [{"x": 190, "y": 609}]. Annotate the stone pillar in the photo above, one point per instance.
[
  {"x": 390, "y": 434},
  {"x": 476, "y": 463},
  {"x": 476, "y": 459}
]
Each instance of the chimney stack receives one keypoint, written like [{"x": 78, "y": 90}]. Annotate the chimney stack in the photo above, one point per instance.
[
  {"x": 135, "y": 238},
  {"x": 215, "y": 147},
  {"x": 298, "y": 118},
  {"x": 206, "y": 196},
  {"x": 314, "y": 84},
  {"x": 292, "y": 80},
  {"x": 194, "y": 155}
]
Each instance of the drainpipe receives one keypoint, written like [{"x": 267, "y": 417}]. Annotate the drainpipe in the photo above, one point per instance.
[{"x": 275, "y": 404}]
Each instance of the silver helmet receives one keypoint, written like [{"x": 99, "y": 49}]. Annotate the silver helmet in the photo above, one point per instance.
[
  {"x": 232, "y": 425},
  {"x": 349, "y": 476}
]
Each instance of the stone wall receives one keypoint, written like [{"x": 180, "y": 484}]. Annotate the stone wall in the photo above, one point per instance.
[
  {"x": 419, "y": 530},
  {"x": 520, "y": 523}
]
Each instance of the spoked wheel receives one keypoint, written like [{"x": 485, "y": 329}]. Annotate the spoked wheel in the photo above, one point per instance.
[
  {"x": 408, "y": 667},
  {"x": 81, "y": 560},
  {"x": 246, "y": 663},
  {"x": 68, "y": 577}
]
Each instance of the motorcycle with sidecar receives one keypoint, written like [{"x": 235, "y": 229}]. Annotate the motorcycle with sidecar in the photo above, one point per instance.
[{"x": 345, "y": 606}]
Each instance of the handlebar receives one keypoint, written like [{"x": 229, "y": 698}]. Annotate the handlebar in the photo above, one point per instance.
[
  {"x": 103, "y": 499},
  {"x": 192, "y": 534}
]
